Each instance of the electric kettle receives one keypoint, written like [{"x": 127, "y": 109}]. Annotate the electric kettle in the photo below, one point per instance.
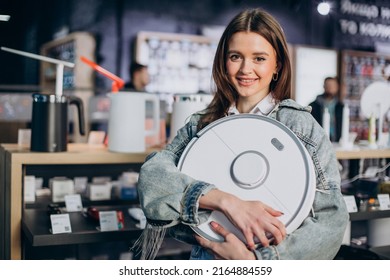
[
  {"x": 126, "y": 122},
  {"x": 183, "y": 107},
  {"x": 49, "y": 124}
]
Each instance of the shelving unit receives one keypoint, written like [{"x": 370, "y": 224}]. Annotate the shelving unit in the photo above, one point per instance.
[
  {"x": 359, "y": 70},
  {"x": 84, "y": 230},
  {"x": 177, "y": 63},
  {"x": 18, "y": 161},
  {"x": 360, "y": 221}
]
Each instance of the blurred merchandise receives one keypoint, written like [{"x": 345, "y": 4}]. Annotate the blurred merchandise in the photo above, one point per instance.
[{"x": 177, "y": 63}]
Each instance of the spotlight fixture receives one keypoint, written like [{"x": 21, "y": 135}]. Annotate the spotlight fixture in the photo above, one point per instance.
[
  {"x": 4, "y": 17},
  {"x": 323, "y": 8}
]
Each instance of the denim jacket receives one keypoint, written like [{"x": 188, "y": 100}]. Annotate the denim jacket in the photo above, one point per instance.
[{"x": 170, "y": 199}]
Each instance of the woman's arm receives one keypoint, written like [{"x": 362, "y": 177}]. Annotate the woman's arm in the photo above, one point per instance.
[{"x": 168, "y": 196}]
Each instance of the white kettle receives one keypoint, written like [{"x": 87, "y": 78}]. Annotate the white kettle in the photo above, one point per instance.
[
  {"x": 183, "y": 107},
  {"x": 126, "y": 123}
]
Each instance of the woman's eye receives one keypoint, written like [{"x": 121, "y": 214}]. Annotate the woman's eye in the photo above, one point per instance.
[
  {"x": 259, "y": 59},
  {"x": 234, "y": 57}
]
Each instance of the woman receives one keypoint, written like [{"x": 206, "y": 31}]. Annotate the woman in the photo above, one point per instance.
[{"x": 252, "y": 74}]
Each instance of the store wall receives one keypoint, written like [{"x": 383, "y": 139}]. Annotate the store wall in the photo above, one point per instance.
[{"x": 116, "y": 23}]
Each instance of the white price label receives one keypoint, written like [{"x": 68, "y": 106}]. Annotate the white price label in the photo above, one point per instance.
[
  {"x": 73, "y": 203},
  {"x": 29, "y": 188},
  {"x": 384, "y": 201},
  {"x": 60, "y": 223},
  {"x": 351, "y": 203},
  {"x": 108, "y": 220}
]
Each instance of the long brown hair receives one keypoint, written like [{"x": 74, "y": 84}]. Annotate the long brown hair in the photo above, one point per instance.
[{"x": 262, "y": 23}]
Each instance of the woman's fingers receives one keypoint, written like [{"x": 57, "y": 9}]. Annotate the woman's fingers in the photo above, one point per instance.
[
  {"x": 219, "y": 229},
  {"x": 272, "y": 211},
  {"x": 249, "y": 237}
]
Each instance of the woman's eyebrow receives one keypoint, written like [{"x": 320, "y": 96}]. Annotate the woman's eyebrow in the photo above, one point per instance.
[{"x": 255, "y": 53}]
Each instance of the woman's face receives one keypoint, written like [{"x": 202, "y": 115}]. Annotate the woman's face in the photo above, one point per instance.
[{"x": 251, "y": 64}]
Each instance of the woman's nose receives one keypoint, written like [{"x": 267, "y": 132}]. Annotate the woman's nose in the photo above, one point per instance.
[{"x": 246, "y": 67}]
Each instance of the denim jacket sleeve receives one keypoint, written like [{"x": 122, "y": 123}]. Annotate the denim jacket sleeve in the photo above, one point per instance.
[
  {"x": 321, "y": 233},
  {"x": 167, "y": 196}
]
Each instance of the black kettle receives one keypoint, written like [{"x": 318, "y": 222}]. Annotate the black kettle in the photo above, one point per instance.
[{"x": 49, "y": 124}]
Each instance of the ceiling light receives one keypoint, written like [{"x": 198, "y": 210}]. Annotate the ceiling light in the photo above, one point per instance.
[
  {"x": 323, "y": 8},
  {"x": 4, "y": 17}
]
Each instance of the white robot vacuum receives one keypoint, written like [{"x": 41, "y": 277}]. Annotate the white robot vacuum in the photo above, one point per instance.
[{"x": 255, "y": 158}]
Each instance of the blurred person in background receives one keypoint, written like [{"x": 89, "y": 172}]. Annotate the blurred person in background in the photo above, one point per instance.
[
  {"x": 330, "y": 99},
  {"x": 139, "y": 77}
]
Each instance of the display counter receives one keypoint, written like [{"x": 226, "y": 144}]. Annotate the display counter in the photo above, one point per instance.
[{"x": 16, "y": 161}]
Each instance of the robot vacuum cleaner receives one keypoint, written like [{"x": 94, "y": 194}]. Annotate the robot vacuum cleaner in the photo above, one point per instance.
[{"x": 255, "y": 158}]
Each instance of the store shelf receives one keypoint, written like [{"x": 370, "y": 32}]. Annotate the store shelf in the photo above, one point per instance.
[
  {"x": 369, "y": 215},
  {"x": 36, "y": 227},
  {"x": 358, "y": 152},
  {"x": 18, "y": 161},
  {"x": 358, "y": 70},
  {"x": 383, "y": 251}
]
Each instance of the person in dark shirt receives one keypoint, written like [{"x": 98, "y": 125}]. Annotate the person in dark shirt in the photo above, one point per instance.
[{"x": 330, "y": 99}]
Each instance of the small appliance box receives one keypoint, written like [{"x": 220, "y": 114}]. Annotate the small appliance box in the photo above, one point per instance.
[
  {"x": 99, "y": 191},
  {"x": 60, "y": 187},
  {"x": 126, "y": 187}
]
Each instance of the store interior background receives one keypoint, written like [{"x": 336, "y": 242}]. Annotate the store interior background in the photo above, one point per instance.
[{"x": 115, "y": 25}]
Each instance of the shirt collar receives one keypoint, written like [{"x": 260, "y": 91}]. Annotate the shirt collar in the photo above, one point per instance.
[{"x": 264, "y": 107}]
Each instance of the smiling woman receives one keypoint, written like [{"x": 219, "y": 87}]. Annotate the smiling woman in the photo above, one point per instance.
[
  {"x": 251, "y": 65},
  {"x": 252, "y": 74}
]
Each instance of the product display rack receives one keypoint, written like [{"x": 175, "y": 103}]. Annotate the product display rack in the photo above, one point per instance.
[
  {"x": 177, "y": 63},
  {"x": 358, "y": 71},
  {"x": 28, "y": 225}
]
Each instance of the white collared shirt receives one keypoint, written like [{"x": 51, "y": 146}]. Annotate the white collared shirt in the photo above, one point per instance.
[{"x": 264, "y": 107}]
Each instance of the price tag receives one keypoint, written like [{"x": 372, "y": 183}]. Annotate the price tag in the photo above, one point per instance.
[
  {"x": 351, "y": 203},
  {"x": 108, "y": 220},
  {"x": 60, "y": 223},
  {"x": 384, "y": 201},
  {"x": 29, "y": 188},
  {"x": 73, "y": 203}
]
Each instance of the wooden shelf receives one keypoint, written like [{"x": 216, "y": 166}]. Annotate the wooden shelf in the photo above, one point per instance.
[
  {"x": 361, "y": 152},
  {"x": 14, "y": 162}
]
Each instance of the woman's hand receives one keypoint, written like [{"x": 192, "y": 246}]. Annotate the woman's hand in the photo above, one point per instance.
[
  {"x": 231, "y": 249},
  {"x": 255, "y": 219}
]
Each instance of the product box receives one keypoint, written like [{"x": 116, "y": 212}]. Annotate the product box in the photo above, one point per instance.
[
  {"x": 60, "y": 187},
  {"x": 99, "y": 191}
]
